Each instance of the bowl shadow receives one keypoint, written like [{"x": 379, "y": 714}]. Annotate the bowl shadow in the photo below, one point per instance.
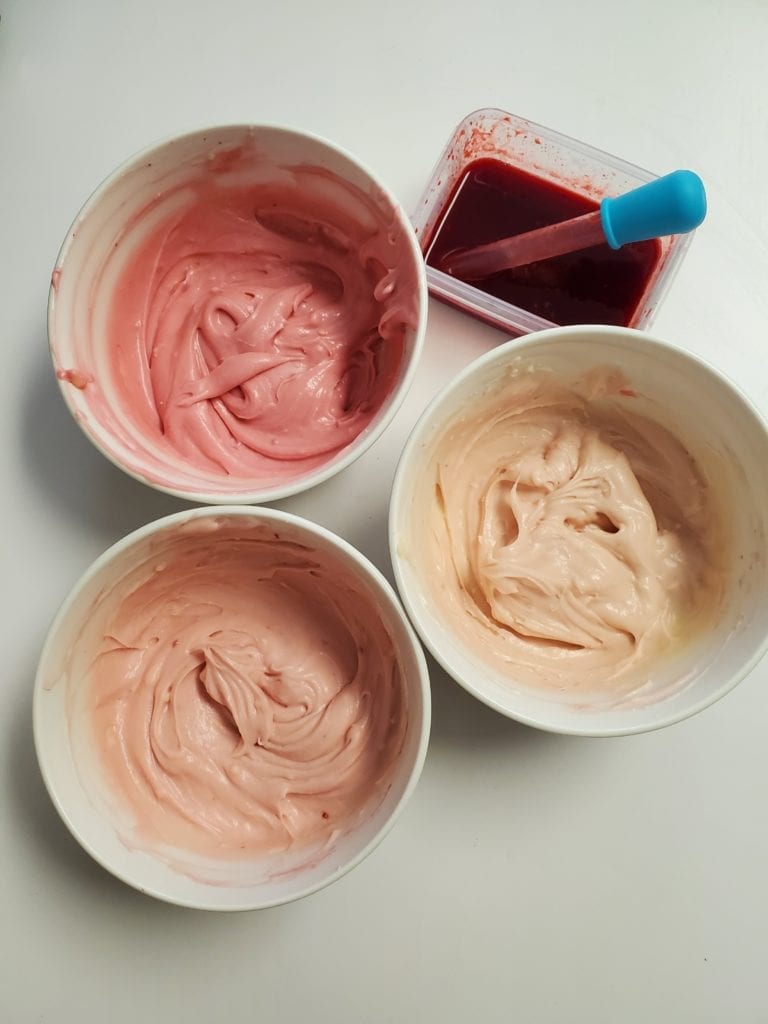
[
  {"x": 87, "y": 489},
  {"x": 460, "y": 720}
]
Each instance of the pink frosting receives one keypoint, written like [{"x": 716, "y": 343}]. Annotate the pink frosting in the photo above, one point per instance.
[
  {"x": 256, "y": 329},
  {"x": 247, "y": 697},
  {"x": 76, "y": 378}
]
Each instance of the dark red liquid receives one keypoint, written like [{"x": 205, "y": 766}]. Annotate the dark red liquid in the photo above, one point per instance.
[{"x": 595, "y": 286}]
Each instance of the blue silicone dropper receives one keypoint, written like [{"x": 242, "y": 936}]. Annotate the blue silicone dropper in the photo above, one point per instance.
[{"x": 671, "y": 205}]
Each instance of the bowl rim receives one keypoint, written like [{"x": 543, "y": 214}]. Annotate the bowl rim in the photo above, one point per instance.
[
  {"x": 626, "y": 337},
  {"x": 276, "y": 518},
  {"x": 356, "y": 448}
]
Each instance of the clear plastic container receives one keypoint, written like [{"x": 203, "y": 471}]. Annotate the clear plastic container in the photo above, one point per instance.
[{"x": 539, "y": 151}]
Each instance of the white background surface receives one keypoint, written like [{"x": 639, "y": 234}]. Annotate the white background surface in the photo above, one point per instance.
[{"x": 533, "y": 878}]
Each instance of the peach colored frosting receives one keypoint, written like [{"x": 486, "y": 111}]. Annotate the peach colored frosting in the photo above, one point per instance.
[
  {"x": 247, "y": 697},
  {"x": 256, "y": 329},
  {"x": 567, "y": 539}
]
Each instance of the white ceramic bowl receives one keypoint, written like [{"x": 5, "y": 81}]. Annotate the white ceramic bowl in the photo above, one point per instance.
[
  {"x": 107, "y": 231},
  {"x": 75, "y": 780},
  {"x": 722, "y": 430}
]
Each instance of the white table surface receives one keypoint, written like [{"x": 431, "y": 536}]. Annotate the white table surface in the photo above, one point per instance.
[{"x": 532, "y": 877}]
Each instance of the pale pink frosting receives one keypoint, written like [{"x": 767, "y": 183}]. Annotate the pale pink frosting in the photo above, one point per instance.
[
  {"x": 567, "y": 539},
  {"x": 247, "y": 697},
  {"x": 257, "y": 329}
]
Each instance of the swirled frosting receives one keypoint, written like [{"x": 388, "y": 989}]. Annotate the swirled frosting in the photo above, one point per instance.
[
  {"x": 257, "y": 328},
  {"x": 246, "y": 697},
  {"x": 567, "y": 539}
]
